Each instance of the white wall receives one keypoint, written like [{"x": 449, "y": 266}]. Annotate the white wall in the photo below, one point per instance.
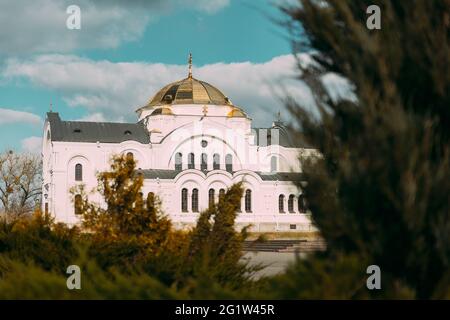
[{"x": 180, "y": 133}]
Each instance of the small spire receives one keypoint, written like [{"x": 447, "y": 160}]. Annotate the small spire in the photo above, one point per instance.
[
  {"x": 51, "y": 106},
  {"x": 190, "y": 65},
  {"x": 278, "y": 122}
]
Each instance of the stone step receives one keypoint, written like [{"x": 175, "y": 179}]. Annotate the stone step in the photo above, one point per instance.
[{"x": 301, "y": 245}]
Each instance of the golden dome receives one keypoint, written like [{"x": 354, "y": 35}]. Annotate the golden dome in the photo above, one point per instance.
[
  {"x": 189, "y": 91},
  {"x": 162, "y": 111},
  {"x": 236, "y": 113}
]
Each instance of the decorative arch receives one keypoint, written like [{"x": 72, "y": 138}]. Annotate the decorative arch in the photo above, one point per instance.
[
  {"x": 281, "y": 159},
  {"x": 135, "y": 148},
  {"x": 182, "y": 142},
  {"x": 79, "y": 169}
]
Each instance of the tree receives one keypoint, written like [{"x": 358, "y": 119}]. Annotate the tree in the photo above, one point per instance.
[
  {"x": 126, "y": 214},
  {"x": 380, "y": 189},
  {"x": 20, "y": 183},
  {"x": 215, "y": 248},
  {"x": 130, "y": 231}
]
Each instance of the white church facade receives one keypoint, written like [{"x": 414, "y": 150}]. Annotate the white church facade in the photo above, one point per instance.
[{"x": 191, "y": 143}]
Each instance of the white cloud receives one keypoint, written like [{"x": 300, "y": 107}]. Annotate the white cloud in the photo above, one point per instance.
[
  {"x": 94, "y": 117},
  {"x": 114, "y": 90},
  {"x": 14, "y": 116},
  {"x": 208, "y": 6},
  {"x": 338, "y": 87},
  {"x": 40, "y": 26},
  {"x": 32, "y": 144}
]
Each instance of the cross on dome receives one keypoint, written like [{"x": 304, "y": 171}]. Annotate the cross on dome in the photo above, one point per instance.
[{"x": 190, "y": 65}]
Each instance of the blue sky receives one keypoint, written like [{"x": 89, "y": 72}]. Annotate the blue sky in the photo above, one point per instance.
[{"x": 125, "y": 51}]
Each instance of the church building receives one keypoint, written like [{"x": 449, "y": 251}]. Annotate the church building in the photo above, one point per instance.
[{"x": 191, "y": 143}]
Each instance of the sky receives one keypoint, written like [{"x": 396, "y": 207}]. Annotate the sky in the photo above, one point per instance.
[{"x": 126, "y": 51}]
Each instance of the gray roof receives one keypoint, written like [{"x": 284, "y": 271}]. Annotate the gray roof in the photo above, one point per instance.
[
  {"x": 281, "y": 176},
  {"x": 107, "y": 132},
  {"x": 286, "y": 138},
  {"x": 159, "y": 173},
  {"x": 114, "y": 132},
  {"x": 265, "y": 176}
]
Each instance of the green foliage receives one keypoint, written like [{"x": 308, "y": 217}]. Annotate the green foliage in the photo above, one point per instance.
[
  {"x": 215, "y": 249},
  {"x": 380, "y": 189},
  {"x": 38, "y": 240},
  {"x": 127, "y": 215},
  {"x": 131, "y": 232},
  {"x": 127, "y": 249},
  {"x": 27, "y": 281},
  {"x": 340, "y": 276}
]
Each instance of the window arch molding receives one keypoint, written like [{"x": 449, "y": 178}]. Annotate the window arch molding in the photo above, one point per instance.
[
  {"x": 86, "y": 171},
  {"x": 137, "y": 154},
  {"x": 280, "y": 159}
]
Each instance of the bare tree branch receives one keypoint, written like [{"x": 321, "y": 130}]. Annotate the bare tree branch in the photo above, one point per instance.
[{"x": 20, "y": 183}]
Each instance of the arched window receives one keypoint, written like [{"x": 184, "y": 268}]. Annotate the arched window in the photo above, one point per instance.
[
  {"x": 191, "y": 160},
  {"x": 291, "y": 203},
  {"x": 302, "y": 204},
  {"x": 281, "y": 203},
  {"x": 178, "y": 161},
  {"x": 184, "y": 200},
  {"x": 204, "y": 163},
  {"x": 195, "y": 200},
  {"x": 130, "y": 156},
  {"x": 216, "y": 161},
  {"x": 77, "y": 204},
  {"x": 273, "y": 164},
  {"x": 221, "y": 193},
  {"x": 151, "y": 200},
  {"x": 211, "y": 197},
  {"x": 78, "y": 172},
  {"x": 229, "y": 163},
  {"x": 248, "y": 200}
]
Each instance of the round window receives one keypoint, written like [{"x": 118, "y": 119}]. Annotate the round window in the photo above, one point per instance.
[{"x": 204, "y": 143}]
